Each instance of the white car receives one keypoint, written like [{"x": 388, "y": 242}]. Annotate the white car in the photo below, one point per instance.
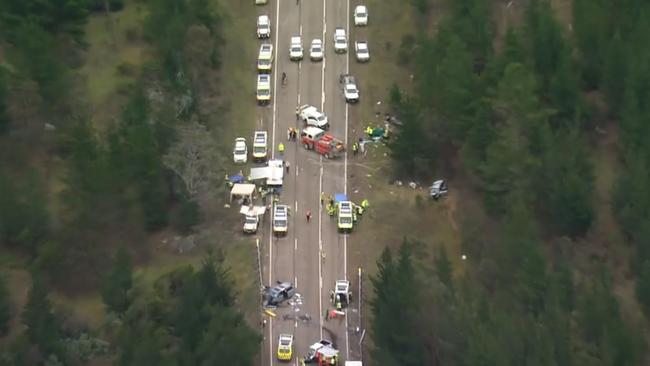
[
  {"x": 280, "y": 219},
  {"x": 263, "y": 88},
  {"x": 265, "y": 58},
  {"x": 311, "y": 116},
  {"x": 260, "y": 149},
  {"x": 240, "y": 153},
  {"x": 350, "y": 90},
  {"x": 340, "y": 40},
  {"x": 251, "y": 224},
  {"x": 360, "y": 15},
  {"x": 263, "y": 27},
  {"x": 361, "y": 48},
  {"x": 295, "y": 49},
  {"x": 261, "y": 2},
  {"x": 316, "y": 50}
]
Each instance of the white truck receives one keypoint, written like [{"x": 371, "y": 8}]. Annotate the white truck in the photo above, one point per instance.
[
  {"x": 273, "y": 173},
  {"x": 311, "y": 116},
  {"x": 252, "y": 218}
]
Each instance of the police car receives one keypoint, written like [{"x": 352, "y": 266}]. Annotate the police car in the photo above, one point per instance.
[
  {"x": 345, "y": 220},
  {"x": 285, "y": 347}
]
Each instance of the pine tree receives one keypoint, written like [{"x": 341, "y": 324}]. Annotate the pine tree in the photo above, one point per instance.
[
  {"x": 5, "y": 306},
  {"x": 118, "y": 282},
  {"x": 593, "y": 26},
  {"x": 229, "y": 337},
  {"x": 396, "y": 311},
  {"x": 42, "y": 326},
  {"x": 566, "y": 195},
  {"x": 5, "y": 120},
  {"x": 643, "y": 287}
]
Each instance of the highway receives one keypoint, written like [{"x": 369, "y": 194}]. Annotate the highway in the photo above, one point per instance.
[{"x": 313, "y": 255}]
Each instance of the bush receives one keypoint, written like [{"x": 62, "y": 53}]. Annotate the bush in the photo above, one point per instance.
[
  {"x": 99, "y": 6},
  {"x": 187, "y": 216}
]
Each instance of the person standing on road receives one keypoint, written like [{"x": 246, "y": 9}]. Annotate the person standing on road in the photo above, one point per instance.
[
  {"x": 281, "y": 148},
  {"x": 286, "y": 165},
  {"x": 308, "y": 215}
]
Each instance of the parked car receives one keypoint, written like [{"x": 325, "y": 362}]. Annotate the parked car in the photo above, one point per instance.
[
  {"x": 362, "y": 51},
  {"x": 265, "y": 58},
  {"x": 263, "y": 89},
  {"x": 263, "y": 27},
  {"x": 260, "y": 145},
  {"x": 240, "y": 152},
  {"x": 360, "y": 15}
]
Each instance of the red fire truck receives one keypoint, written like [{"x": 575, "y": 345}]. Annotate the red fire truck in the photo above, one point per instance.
[{"x": 314, "y": 138}]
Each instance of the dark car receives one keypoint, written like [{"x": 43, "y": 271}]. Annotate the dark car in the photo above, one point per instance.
[{"x": 274, "y": 296}]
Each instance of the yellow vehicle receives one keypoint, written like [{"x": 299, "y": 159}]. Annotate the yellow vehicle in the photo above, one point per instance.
[
  {"x": 265, "y": 58},
  {"x": 285, "y": 347},
  {"x": 345, "y": 217},
  {"x": 263, "y": 89}
]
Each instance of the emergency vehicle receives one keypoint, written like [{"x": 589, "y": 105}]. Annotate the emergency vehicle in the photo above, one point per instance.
[
  {"x": 285, "y": 347},
  {"x": 260, "y": 149},
  {"x": 314, "y": 138},
  {"x": 280, "y": 219},
  {"x": 341, "y": 296},
  {"x": 345, "y": 218}
]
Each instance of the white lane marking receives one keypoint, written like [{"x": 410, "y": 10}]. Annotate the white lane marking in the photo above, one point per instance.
[
  {"x": 295, "y": 247},
  {"x": 345, "y": 184},
  {"x": 322, "y": 73},
  {"x": 295, "y": 281},
  {"x": 296, "y": 207},
  {"x": 275, "y": 88},
  {"x": 320, "y": 252}
]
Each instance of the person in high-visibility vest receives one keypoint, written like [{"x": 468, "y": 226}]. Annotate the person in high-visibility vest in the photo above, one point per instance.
[{"x": 281, "y": 148}]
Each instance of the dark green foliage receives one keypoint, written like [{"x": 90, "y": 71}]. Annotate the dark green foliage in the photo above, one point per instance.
[
  {"x": 53, "y": 16},
  {"x": 118, "y": 282},
  {"x": 5, "y": 306},
  {"x": 5, "y": 120},
  {"x": 510, "y": 158},
  {"x": 420, "y": 6},
  {"x": 142, "y": 341},
  {"x": 643, "y": 287},
  {"x": 592, "y": 24},
  {"x": 227, "y": 336},
  {"x": 186, "y": 216},
  {"x": 100, "y": 5},
  {"x": 190, "y": 321},
  {"x": 36, "y": 59},
  {"x": 471, "y": 21},
  {"x": 166, "y": 27},
  {"x": 396, "y": 310},
  {"x": 410, "y": 147},
  {"x": 24, "y": 220},
  {"x": 43, "y": 329},
  {"x": 136, "y": 153},
  {"x": 566, "y": 185}
]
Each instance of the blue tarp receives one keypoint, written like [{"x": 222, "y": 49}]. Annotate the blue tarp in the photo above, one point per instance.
[
  {"x": 237, "y": 178},
  {"x": 340, "y": 197}
]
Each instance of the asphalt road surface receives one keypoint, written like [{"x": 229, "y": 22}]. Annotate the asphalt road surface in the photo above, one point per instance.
[{"x": 312, "y": 255}]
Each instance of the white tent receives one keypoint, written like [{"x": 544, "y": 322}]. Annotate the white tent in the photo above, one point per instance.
[{"x": 242, "y": 190}]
